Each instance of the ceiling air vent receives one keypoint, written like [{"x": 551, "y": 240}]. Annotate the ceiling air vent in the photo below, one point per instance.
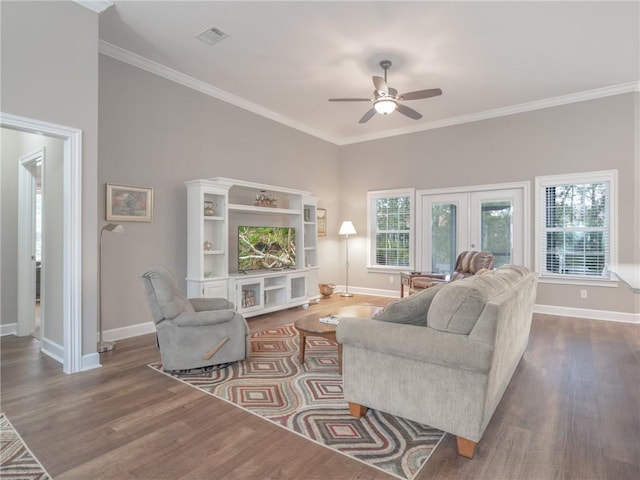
[{"x": 212, "y": 35}]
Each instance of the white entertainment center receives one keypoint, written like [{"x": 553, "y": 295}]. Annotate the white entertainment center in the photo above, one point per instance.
[{"x": 216, "y": 207}]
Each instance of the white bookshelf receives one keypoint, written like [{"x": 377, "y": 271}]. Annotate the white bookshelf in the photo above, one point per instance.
[{"x": 212, "y": 248}]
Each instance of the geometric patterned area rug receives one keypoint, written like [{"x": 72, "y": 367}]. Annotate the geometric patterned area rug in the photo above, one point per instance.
[
  {"x": 16, "y": 460},
  {"x": 308, "y": 400}
]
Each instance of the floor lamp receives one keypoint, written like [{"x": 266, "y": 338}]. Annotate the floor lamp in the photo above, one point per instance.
[
  {"x": 347, "y": 229},
  {"x": 102, "y": 345}
]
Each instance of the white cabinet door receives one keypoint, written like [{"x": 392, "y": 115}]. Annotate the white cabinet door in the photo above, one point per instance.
[
  {"x": 217, "y": 289},
  {"x": 249, "y": 295}
]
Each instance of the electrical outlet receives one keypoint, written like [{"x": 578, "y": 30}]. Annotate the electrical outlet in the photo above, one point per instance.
[
  {"x": 583, "y": 293},
  {"x": 392, "y": 279}
]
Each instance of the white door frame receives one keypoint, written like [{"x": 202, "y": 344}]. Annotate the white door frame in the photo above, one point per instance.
[
  {"x": 72, "y": 230},
  {"x": 27, "y": 184},
  {"x": 526, "y": 212}
]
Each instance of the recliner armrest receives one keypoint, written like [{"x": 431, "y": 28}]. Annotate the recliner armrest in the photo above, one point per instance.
[
  {"x": 204, "y": 304},
  {"x": 211, "y": 317},
  {"x": 416, "y": 342}
]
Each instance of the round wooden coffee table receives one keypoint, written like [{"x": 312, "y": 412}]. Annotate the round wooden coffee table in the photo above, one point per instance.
[{"x": 313, "y": 327}]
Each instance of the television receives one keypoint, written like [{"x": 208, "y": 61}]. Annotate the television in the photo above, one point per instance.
[{"x": 261, "y": 248}]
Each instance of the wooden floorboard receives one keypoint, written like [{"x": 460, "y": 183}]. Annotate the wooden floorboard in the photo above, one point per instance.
[{"x": 572, "y": 411}]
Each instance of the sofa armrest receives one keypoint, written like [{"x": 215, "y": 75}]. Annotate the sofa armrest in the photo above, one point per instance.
[
  {"x": 199, "y": 319},
  {"x": 415, "y": 342},
  {"x": 204, "y": 304}
]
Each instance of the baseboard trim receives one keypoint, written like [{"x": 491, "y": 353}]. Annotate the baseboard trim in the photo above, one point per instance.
[
  {"x": 8, "y": 329},
  {"x": 90, "y": 361},
  {"x": 608, "y": 315},
  {"x": 52, "y": 349},
  {"x": 375, "y": 292},
  {"x": 128, "y": 331}
]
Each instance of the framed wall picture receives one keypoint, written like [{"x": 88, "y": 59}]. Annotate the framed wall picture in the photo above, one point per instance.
[
  {"x": 322, "y": 222},
  {"x": 126, "y": 203}
]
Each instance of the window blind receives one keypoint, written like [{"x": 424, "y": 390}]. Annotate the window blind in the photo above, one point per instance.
[
  {"x": 391, "y": 220},
  {"x": 575, "y": 234}
]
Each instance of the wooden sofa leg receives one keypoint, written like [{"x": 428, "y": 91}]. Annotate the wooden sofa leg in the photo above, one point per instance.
[
  {"x": 357, "y": 410},
  {"x": 466, "y": 448}
]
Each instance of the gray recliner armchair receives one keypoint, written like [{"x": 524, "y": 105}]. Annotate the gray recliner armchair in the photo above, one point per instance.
[{"x": 193, "y": 333}]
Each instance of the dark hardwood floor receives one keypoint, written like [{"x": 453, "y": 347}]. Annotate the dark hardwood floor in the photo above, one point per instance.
[{"x": 572, "y": 411}]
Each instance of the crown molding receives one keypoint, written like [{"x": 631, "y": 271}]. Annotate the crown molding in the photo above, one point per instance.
[
  {"x": 97, "y": 6},
  {"x": 143, "y": 63},
  {"x": 502, "y": 112}
]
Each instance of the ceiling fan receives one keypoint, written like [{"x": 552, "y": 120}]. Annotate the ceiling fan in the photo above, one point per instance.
[{"x": 386, "y": 99}]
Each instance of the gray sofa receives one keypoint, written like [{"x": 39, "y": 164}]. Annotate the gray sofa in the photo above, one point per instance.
[
  {"x": 193, "y": 333},
  {"x": 442, "y": 357}
]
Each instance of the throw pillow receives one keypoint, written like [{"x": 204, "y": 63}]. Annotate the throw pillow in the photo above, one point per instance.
[{"x": 410, "y": 310}]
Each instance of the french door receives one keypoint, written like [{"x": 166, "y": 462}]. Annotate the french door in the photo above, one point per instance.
[{"x": 489, "y": 218}]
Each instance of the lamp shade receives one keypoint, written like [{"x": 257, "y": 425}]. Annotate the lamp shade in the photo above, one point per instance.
[
  {"x": 113, "y": 227},
  {"x": 347, "y": 228}
]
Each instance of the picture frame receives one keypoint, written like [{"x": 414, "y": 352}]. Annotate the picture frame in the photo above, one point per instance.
[
  {"x": 322, "y": 221},
  {"x": 127, "y": 203}
]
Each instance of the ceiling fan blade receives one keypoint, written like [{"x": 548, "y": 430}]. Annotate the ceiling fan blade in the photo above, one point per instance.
[
  {"x": 349, "y": 99},
  {"x": 409, "y": 112},
  {"x": 432, "y": 92},
  {"x": 367, "y": 116},
  {"x": 381, "y": 85}
]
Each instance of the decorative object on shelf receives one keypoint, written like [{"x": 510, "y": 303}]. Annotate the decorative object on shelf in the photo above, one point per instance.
[
  {"x": 209, "y": 211},
  {"x": 264, "y": 199},
  {"x": 326, "y": 289},
  {"x": 307, "y": 214},
  {"x": 347, "y": 229},
  {"x": 208, "y": 246},
  {"x": 248, "y": 299},
  {"x": 322, "y": 222},
  {"x": 125, "y": 203},
  {"x": 102, "y": 345},
  {"x": 208, "y": 274}
]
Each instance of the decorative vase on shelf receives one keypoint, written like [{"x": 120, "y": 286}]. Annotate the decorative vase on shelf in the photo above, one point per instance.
[
  {"x": 208, "y": 246},
  {"x": 264, "y": 199},
  {"x": 209, "y": 211}
]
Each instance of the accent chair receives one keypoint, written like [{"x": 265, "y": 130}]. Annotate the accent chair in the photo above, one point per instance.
[
  {"x": 193, "y": 333},
  {"x": 468, "y": 263}
]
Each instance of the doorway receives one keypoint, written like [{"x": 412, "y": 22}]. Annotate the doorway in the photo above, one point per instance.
[
  {"x": 491, "y": 218},
  {"x": 69, "y": 352},
  {"x": 31, "y": 267}
]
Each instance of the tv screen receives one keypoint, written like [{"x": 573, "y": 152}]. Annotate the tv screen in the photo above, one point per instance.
[{"x": 266, "y": 247}]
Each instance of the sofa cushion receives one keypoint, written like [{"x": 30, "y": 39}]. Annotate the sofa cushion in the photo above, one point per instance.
[
  {"x": 456, "y": 308},
  {"x": 411, "y": 310}
]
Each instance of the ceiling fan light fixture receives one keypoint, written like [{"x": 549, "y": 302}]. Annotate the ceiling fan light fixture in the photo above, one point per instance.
[{"x": 385, "y": 106}]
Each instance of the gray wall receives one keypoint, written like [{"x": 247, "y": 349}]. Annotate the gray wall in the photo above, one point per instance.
[
  {"x": 593, "y": 135},
  {"x": 14, "y": 145},
  {"x": 156, "y": 133},
  {"x": 50, "y": 72}
]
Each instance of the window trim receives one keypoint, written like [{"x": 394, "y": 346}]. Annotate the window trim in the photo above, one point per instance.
[
  {"x": 396, "y": 192},
  {"x": 541, "y": 182}
]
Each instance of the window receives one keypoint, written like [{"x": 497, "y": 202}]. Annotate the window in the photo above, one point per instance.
[
  {"x": 390, "y": 214},
  {"x": 575, "y": 225}
]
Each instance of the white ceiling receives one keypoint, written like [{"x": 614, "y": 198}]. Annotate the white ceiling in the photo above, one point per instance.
[{"x": 284, "y": 60}]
